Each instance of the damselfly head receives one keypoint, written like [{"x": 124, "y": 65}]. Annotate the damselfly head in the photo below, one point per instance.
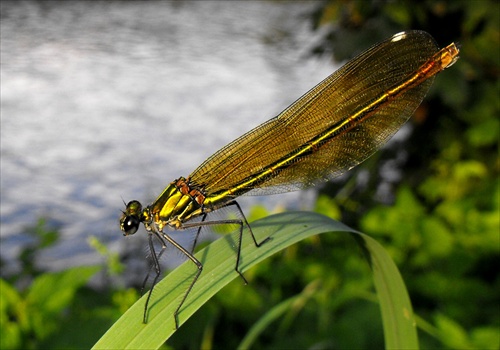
[{"x": 130, "y": 219}]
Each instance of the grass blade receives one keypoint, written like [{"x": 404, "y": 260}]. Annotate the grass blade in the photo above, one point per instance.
[{"x": 218, "y": 259}]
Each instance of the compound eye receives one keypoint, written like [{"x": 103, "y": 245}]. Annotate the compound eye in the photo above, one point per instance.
[{"x": 130, "y": 224}]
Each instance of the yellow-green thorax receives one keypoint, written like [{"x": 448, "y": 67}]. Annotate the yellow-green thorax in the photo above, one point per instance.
[{"x": 178, "y": 203}]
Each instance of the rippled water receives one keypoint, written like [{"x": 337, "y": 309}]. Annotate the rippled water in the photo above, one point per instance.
[{"x": 108, "y": 100}]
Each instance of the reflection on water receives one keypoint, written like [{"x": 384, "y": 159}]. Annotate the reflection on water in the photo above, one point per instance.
[{"x": 104, "y": 100}]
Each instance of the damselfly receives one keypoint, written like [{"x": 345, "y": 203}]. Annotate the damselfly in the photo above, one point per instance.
[{"x": 329, "y": 130}]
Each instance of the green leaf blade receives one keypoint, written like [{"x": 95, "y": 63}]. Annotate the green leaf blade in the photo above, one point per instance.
[{"x": 218, "y": 261}]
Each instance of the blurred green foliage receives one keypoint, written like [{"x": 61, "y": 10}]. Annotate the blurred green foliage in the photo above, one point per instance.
[
  {"x": 57, "y": 310},
  {"x": 442, "y": 223},
  {"x": 439, "y": 219}
]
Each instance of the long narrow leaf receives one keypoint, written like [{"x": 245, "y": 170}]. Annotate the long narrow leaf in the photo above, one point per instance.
[{"x": 218, "y": 261}]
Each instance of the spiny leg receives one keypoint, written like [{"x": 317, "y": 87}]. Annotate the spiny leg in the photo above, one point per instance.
[
  {"x": 198, "y": 273},
  {"x": 156, "y": 265},
  {"x": 241, "y": 223},
  {"x": 198, "y": 233},
  {"x": 151, "y": 266},
  {"x": 244, "y": 221}
]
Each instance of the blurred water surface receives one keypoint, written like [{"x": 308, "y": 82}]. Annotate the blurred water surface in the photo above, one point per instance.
[{"x": 108, "y": 100}]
